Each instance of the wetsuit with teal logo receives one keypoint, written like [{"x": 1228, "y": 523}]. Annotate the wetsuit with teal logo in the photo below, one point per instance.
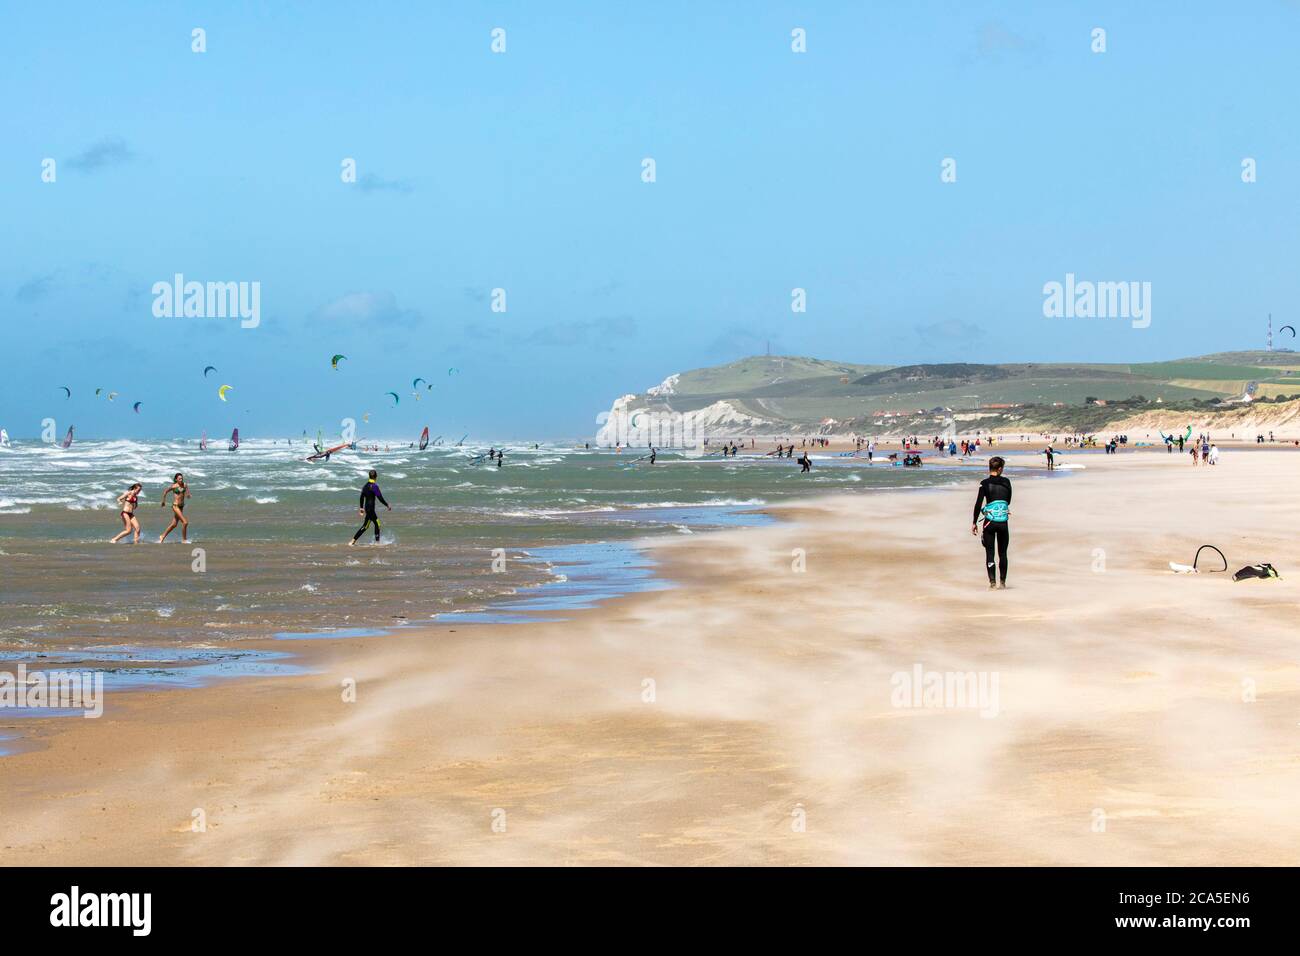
[{"x": 992, "y": 504}]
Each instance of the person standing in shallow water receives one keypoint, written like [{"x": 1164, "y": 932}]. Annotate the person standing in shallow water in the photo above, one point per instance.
[
  {"x": 993, "y": 506},
  {"x": 128, "y": 501},
  {"x": 370, "y": 493},
  {"x": 181, "y": 492}
]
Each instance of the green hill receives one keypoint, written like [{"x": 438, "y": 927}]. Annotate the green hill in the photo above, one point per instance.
[{"x": 795, "y": 393}]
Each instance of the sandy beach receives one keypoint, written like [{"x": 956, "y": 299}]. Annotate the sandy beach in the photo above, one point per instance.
[{"x": 750, "y": 714}]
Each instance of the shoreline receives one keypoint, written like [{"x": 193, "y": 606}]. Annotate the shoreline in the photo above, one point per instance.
[
  {"x": 771, "y": 697},
  {"x": 209, "y": 666}
]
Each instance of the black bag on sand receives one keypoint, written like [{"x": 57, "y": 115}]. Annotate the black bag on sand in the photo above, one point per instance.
[{"x": 1256, "y": 571}]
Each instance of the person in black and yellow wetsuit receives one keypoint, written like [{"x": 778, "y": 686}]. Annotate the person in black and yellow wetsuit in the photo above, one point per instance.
[
  {"x": 993, "y": 504},
  {"x": 370, "y": 493}
]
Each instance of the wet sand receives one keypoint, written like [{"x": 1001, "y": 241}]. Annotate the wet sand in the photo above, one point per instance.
[{"x": 1142, "y": 717}]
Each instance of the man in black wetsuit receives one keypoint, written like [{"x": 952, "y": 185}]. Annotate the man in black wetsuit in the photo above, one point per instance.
[
  {"x": 370, "y": 493},
  {"x": 993, "y": 504}
]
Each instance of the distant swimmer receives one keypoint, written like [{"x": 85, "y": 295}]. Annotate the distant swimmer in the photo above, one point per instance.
[
  {"x": 128, "y": 501},
  {"x": 993, "y": 505},
  {"x": 370, "y": 493},
  {"x": 181, "y": 491}
]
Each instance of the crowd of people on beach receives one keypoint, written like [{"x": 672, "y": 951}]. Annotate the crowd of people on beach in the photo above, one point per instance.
[{"x": 990, "y": 520}]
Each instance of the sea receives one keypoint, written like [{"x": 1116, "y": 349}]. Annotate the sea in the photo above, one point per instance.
[{"x": 555, "y": 528}]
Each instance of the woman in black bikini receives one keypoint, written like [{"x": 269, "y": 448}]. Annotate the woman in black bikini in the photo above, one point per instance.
[
  {"x": 181, "y": 491},
  {"x": 130, "y": 522}
]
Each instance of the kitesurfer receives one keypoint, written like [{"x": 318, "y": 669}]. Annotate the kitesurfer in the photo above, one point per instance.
[
  {"x": 370, "y": 493},
  {"x": 992, "y": 504}
]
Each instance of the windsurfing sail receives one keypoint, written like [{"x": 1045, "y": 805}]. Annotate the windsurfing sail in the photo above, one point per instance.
[
  {"x": 424, "y": 438},
  {"x": 320, "y": 443},
  {"x": 203, "y": 442},
  {"x": 67, "y": 439},
  {"x": 234, "y": 441},
  {"x": 4, "y": 438},
  {"x": 326, "y": 452},
  {"x": 462, "y": 439}
]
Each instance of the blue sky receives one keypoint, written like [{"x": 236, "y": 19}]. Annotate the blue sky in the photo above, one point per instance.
[{"x": 522, "y": 171}]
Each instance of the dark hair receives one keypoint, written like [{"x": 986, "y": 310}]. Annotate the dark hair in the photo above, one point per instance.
[
  {"x": 136, "y": 485},
  {"x": 996, "y": 463},
  {"x": 373, "y": 474},
  {"x": 178, "y": 476}
]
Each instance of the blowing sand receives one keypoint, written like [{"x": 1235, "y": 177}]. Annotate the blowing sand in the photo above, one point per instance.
[{"x": 1141, "y": 717}]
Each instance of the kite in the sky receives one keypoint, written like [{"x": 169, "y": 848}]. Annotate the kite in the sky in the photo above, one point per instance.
[
  {"x": 416, "y": 383},
  {"x": 210, "y": 368},
  {"x": 221, "y": 392},
  {"x": 66, "y": 389},
  {"x": 1285, "y": 327},
  {"x": 112, "y": 395},
  {"x": 450, "y": 370},
  {"x": 136, "y": 407},
  {"x": 98, "y": 390},
  {"x": 334, "y": 362},
  {"x": 396, "y": 400}
]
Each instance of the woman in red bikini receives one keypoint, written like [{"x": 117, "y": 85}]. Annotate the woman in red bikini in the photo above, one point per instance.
[{"x": 130, "y": 522}]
